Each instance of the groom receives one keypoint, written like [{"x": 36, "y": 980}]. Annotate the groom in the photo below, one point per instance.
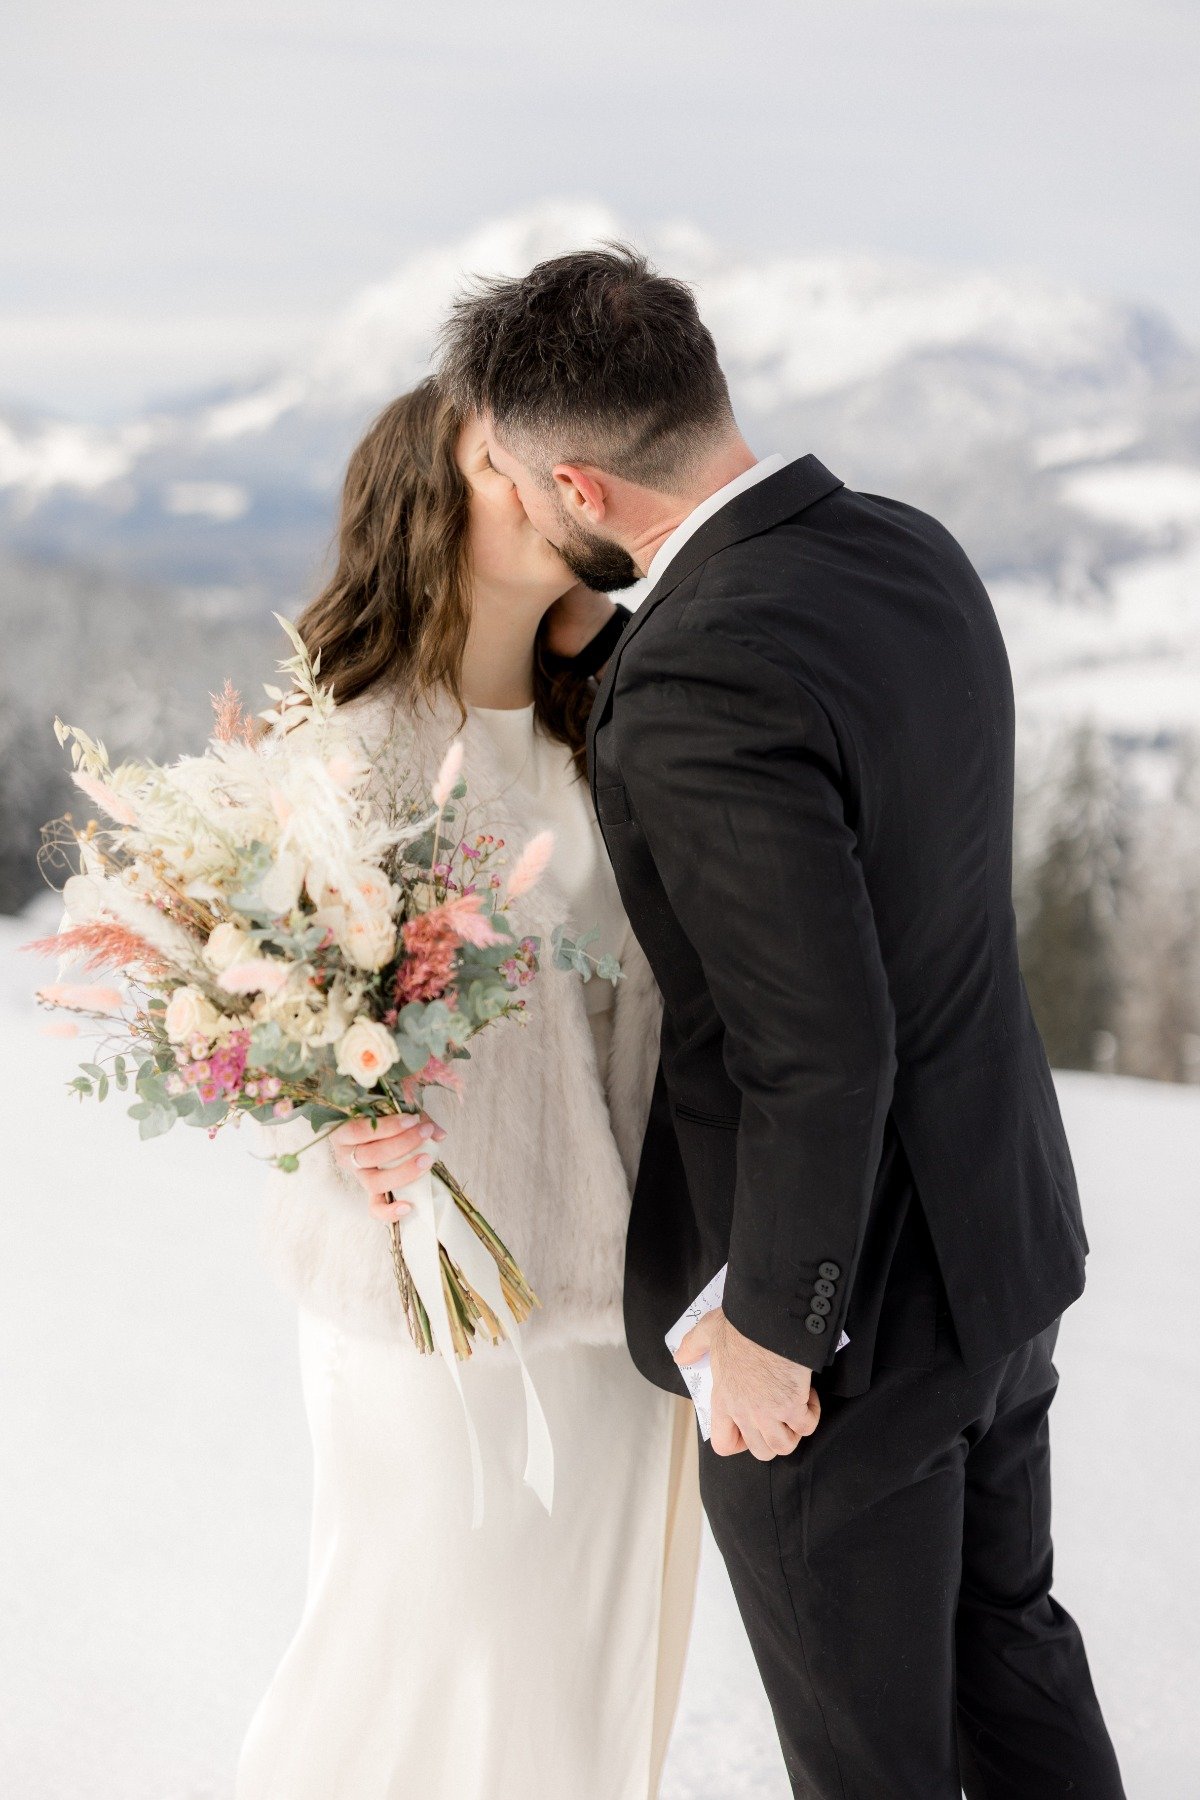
[{"x": 801, "y": 756}]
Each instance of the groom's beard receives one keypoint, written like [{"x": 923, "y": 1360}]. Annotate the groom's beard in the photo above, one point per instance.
[{"x": 597, "y": 562}]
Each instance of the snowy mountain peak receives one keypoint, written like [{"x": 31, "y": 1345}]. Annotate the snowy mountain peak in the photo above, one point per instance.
[
  {"x": 790, "y": 328},
  {"x": 381, "y": 341}
]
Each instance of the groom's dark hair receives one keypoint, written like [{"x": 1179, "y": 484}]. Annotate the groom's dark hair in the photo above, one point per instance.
[{"x": 590, "y": 358}]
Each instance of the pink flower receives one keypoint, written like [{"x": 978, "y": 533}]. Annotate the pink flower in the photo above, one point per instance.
[
  {"x": 114, "y": 804},
  {"x": 232, "y": 723},
  {"x": 465, "y": 916},
  {"x": 282, "y": 1108},
  {"x": 99, "y": 944},
  {"x": 61, "y": 1028},
  {"x": 531, "y": 864},
  {"x": 431, "y": 943},
  {"x": 436, "y": 1073},
  {"x": 259, "y": 975},
  {"x": 430, "y": 947},
  {"x": 448, "y": 774},
  {"x": 520, "y": 969},
  {"x": 81, "y": 997},
  {"x": 220, "y": 1077},
  {"x": 343, "y": 769}
]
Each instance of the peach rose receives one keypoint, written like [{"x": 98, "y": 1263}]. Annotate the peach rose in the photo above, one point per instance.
[{"x": 367, "y": 1051}]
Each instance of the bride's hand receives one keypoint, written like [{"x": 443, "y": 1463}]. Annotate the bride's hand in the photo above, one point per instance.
[
  {"x": 386, "y": 1154},
  {"x": 575, "y": 618}
]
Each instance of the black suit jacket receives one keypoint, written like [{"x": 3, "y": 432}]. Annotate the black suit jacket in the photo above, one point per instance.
[{"x": 801, "y": 756}]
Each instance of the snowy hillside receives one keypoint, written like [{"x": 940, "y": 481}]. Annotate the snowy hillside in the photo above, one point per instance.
[
  {"x": 1058, "y": 434},
  {"x": 154, "y": 1510}
]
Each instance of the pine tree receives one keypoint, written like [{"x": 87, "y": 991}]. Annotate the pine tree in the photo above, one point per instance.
[
  {"x": 1068, "y": 944},
  {"x": 1159, "y": 933}
]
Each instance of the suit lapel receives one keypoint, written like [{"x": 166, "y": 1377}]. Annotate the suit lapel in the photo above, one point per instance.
[{"x": 768, "y": 503}]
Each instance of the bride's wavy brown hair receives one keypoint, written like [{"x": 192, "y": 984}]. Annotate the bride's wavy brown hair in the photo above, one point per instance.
[{"x": 398, "y": 604}]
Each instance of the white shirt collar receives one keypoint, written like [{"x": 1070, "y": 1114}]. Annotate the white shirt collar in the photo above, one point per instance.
[{"x": 701, "y": 514}]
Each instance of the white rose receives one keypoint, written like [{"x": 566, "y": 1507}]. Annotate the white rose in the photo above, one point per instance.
[
  {"x": 227, "y": 944},
  {"x": 369, "y": 941},
  {"x": 331, "y": 918},
  {"x": 189, "y": 1015},
  {"x": 371, "y": 891},
  {"x": 295, "y": 1018},
  {"x": 366, "y": 1052}
]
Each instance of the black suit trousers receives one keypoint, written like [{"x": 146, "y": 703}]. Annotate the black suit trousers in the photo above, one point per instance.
[{"x": 894, "y": 1574}]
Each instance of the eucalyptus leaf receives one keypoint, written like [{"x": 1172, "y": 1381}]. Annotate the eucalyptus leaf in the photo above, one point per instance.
[
  {"x": 156, "y": 1123},
  {"x": 206, "y": 1115},
  {"x": 320, "y": 1116}
]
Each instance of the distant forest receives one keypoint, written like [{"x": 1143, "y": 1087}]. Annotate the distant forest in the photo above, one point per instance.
[
  {"x": 1107, "y": 867},
  {"x": 1107, "y": 891}
]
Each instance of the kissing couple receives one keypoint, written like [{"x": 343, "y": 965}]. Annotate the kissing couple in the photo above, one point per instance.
[{"x": 782, "y": 794}]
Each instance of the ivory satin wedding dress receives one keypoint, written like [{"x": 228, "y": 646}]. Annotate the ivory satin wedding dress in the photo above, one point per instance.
[{"x": 538, "y": 1657}]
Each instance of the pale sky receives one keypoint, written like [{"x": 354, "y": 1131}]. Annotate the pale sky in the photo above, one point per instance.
[{"x": 189, "y": 189}]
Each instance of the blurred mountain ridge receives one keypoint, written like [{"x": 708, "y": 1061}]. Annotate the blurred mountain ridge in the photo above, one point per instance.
[{"x": 973, "y": 393}]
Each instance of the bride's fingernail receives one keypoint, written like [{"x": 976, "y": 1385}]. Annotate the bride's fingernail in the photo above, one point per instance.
[
  {"x": 426, "y": 1130},
  {"x": 423, "y": 1162}
]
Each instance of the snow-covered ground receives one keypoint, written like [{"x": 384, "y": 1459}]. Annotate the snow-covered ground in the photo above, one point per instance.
[{"x": 155, "y": 1487}]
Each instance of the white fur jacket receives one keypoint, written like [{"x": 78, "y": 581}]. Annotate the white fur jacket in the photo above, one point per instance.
[{"x": 533, "y": 1140}]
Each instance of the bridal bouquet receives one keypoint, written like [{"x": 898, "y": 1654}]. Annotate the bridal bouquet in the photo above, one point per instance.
[{"x": 287, "y": 945}]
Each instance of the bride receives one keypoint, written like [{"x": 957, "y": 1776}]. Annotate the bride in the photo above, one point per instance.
[{"x": 537, "y": 1657}]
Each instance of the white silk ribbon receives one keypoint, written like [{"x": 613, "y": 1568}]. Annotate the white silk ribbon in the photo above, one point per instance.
[{"x": 436, "y": 1219}]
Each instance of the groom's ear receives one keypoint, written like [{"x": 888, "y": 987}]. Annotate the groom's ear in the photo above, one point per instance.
[{"x": 582, "y": 491}]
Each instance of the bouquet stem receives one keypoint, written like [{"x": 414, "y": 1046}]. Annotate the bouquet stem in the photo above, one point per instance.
[
  {"x": 418, "y": 1318},
  {"x": 468, "y": 1311}
]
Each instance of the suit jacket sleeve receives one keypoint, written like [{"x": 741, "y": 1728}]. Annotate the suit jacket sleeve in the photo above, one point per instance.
[{"x": 734, "y": 776}]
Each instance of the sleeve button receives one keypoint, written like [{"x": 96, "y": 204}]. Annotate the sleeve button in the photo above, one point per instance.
[
  {"x": 824, "y": 1287},
  {"x": 814, "y": 1323},
  {"x": 829, "y": 1270},
  {"x": 821, "y": 1305}
]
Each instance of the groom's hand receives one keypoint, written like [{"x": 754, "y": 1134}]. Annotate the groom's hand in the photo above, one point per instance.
[{"x": 760, "y": 1401}]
